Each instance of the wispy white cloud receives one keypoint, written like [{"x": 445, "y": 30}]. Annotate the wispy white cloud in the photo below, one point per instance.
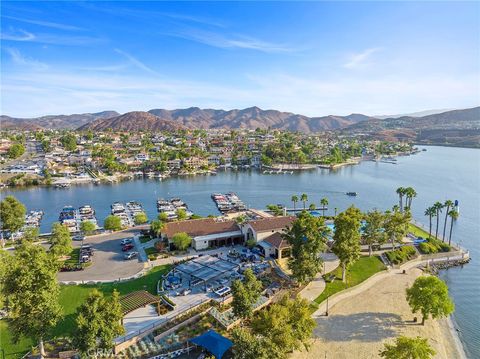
[
  {"x": 360, "y": 59},
  {"x": 21, "y": 60},
  {"x": 20, "y": 35},
  {"x": 17, "y": 35},
  {"x": 231, "y": 41},
  {"x": 136, "y": 62},
  {"x": 53, "y": 25}
]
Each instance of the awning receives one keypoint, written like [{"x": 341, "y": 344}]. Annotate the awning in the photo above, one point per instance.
[{"x": 215, "y": 343}]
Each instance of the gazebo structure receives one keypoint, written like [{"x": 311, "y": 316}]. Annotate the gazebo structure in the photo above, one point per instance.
[
  {"x": 213, "y": 342},
  {"x": 138, "y": 299},
  {"x": 206, "y": 268}
]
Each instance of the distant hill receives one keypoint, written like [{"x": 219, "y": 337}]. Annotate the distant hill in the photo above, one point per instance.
[
  {"x": 53, "y": 121},
  {"x": 456, "y": 127},
  {"x": 133, "y": 121},
  {"x": 414, "y": 114}
]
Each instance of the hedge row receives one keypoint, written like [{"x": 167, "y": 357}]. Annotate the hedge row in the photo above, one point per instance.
[{"x": 432, "y": 246}]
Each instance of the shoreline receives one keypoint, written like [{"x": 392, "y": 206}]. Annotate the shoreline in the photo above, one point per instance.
[{"x": 460, "y": 347}]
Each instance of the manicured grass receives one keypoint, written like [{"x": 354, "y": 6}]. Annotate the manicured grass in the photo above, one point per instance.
[
  {"x": 74, "y": 255},
  {"x": 417, "y": 231},
  {"x": 71, "y": 297},
  {"x": 362, "y": 269},
  {"x": 151, "y": 250}
]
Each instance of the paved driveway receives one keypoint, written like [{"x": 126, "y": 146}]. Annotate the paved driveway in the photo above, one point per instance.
[{"x": 108, "y": 262}]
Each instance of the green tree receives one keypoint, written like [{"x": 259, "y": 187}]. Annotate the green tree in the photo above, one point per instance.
[
  {"x": 401, "y": 191},
  {"x": 304, "y": 199},
  {"x": 87, "y": 227},
  {"x": 163, "y": 217},
  {"x": 410, "y": 194},
  {"x": 98, "y": 321},
  {"x": 448, "y": 204},
  {"x": 453, "y": 217},
  {"x": 438, "y": 206},
  {"x": 396, "y": 225},
  {"x": 181, "y": 214},
  {"x": 429, "y": 296},
  {"x": 346, "y": 239},
  {"x": 245, "y": 294},
  {"x": 408, "y": 348},
  {"x": 112, "y": 223},
  {"x": 182, "y": 241},
  {"x": 287, "y": 325},
  {"x": 12, "y": 214},
  {"x": 30, "y": 235},
  {"x": 140, "y": 218},
  {"x": 60, "y": 241},
  {"x": 246, "y": 345},
  {"x": 30, "y": 287},
  {"x": 430, "y": 212},
  {"x": 324, "y": 204},
  {"x": 294, "y": 200},
  {"x": 157, "y": 226},
  {"x": 69, "y": 142},
  {"x": 16, "y": 150},
  {"x": 373, "y": 231},
  {"x": 307, "y": 237}
]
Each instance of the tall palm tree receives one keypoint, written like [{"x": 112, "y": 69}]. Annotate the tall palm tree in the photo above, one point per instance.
[
  {"x": 430, "y": 212},
  {"x": 438, "y": 206},
  {"x": 448, "y": 204},
  {"x": 294, "y": 199},
  {"x": 411, "y": 194},
  {"x": 453, "y": 217},
  {"x": 304, "y": 199},
  {"x": 324, "y": 203},
  {"x": 336, "y": 210},
  {"x": 401, "y": 192}
]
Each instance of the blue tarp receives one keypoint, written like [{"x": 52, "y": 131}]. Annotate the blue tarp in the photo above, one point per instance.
[{"x": 215, "y": 343}]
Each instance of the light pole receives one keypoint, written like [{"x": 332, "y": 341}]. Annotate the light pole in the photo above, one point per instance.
[{"x": 326, "y": 313}]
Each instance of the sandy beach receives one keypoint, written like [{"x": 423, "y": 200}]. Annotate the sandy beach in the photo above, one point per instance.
[{"x": 358, "y": 326}]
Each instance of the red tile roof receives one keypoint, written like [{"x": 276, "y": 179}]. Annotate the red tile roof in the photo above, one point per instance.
[
  {"x": 200, "y": 227},
  {"x": 276, "y": 240},
  {"x": 272, "y": 223}
]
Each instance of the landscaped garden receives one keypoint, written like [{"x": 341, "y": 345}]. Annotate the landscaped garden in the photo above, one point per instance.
[
  {"x": 362, "y": 269},
  {"x": 72, "y": 296},
  {"x": 401, "y": 255},
  {"x": 432, "y": 246},
  {"x": 418, "y": 231}
]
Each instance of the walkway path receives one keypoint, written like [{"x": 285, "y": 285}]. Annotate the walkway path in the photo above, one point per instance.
[{"x": 317, "y": 286}]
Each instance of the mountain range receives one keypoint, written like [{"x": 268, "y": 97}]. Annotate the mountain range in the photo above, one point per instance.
[{"x": 449, "y": 127}]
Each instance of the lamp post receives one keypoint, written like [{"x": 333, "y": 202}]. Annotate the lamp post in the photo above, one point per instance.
[{"x": 326, "y": 313}]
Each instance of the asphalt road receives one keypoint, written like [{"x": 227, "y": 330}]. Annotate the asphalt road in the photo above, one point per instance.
[{"x": 108, "y": 262}]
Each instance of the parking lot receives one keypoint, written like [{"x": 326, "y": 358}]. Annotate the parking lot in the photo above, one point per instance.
[{"x": 108, "y": 261}]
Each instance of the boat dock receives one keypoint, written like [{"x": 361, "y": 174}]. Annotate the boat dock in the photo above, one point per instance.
[
  {"x": 72, "y": 218},
  {"x": 126, "y": 212},
  {"x": 171, "y": 206},
  {"x": 228, "y": 202}
]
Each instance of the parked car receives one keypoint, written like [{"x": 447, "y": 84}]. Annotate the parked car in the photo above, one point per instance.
[
  {"x": 127, "y": 247},
  {"x": 130, "y": 255},
  {"x": 126, "y": 241},
  {"x": 78, "y": 237}
]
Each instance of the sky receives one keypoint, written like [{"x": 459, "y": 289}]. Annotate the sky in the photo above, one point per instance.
[{"x": 311, "y": 58}]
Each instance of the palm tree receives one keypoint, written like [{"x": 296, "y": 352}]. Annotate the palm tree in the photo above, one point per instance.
[
  {"x": 453, "y": 217},
  {"x": 336, "y": 210},
  {"x": 448, "y": 204},
  {"x": 311, "y": 207},
  {"x": 304, "y": 199},
  {"x": 438, "y": 209},
  {"x": 430, "y": 212},
  {"x": 401, "y": 192},
  {"x": 324, "y": 204},
  {"x": 411, "y": 194},
  {"x": 294, "y": 199}
]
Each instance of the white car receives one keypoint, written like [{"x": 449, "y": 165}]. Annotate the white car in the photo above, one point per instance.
[
  {"x": 130, "y": 255},
  {"x": 126, "y": 241}
]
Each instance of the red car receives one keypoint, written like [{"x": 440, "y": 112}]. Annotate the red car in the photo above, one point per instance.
[{"x": 127, "y": 247}]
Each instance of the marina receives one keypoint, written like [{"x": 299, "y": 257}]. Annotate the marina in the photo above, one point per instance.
[
  {"x": 73, "y": 218},
  {"x": 228, "y": 202},
  {"x": 170, "y": 207},
  {"x": 127, "y": 212}
]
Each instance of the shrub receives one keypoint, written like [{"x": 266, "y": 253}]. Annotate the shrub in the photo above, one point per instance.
[
  {"x": 401, "y": 255},
  {"x": 433, "y": 246}
]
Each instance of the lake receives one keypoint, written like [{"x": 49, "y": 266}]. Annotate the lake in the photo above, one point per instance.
[{"x": 439, "y": 173}]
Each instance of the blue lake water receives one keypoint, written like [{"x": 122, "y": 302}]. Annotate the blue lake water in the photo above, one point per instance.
[{"x": 440, "y": 173}]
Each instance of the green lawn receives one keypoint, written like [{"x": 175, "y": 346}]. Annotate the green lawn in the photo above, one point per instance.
[
  {"x": 419, "y": 232},
  {"x": 362, "y": 269},
  {"x": 145, "y": 239},
  {"x": 71, "y": 297}
]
